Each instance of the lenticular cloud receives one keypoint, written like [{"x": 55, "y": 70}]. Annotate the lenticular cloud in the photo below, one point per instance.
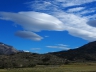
[
  {"x": 34, "y": 21},
  {"x": 28, "y": 35}
]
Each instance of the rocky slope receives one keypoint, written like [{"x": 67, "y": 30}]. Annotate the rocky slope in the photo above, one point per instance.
[{"x": 6, "y": 49}]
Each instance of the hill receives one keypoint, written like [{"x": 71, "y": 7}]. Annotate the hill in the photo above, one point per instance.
[
  {"x": 10, "y": 58},
  {"x": 86, "y": 52},
  {"x": 27, "y": 59}
]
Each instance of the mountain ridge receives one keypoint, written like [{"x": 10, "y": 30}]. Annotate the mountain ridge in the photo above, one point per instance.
[{"x": 85, "y": 52}]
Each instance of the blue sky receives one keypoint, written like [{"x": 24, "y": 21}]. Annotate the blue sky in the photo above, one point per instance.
[{"x": 46, "y": 26}]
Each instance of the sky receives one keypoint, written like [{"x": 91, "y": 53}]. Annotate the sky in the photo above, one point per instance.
[{"x": 44, "y": 26}]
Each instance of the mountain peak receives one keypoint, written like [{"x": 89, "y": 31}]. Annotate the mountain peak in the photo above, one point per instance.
[{"x": 7, "y": 49}]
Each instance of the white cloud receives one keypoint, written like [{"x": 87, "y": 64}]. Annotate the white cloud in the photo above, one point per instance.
[
  {"x": 75, "y": 9},
  {"x": 91, "y": 17},
  {"x": 60, "y": 5},
  {"x": 77, "y": 26},
  {"x": 56, "y": 18},
  {"x": 52, "y": 46},
  {"x": 28, "y": 35},
  {"x": 36, "y": 50},
  {"x": 87, "y": 11},
  {"x": 74, "y": 2},
  {"x": 84, "y": 34},
  {"x": 34, "y": 21},
  {"x": 59, "y": 46},
  {"x": 26, "y": 51},
  {"x": 40, "y": 5},
  {"x": 62, "y": 45}
]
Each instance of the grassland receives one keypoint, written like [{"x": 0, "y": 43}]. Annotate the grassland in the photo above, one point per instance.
[{"x": 77, "y": 67}]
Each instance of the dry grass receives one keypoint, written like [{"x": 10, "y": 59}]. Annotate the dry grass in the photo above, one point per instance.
[{"x": 77, "y": 67}]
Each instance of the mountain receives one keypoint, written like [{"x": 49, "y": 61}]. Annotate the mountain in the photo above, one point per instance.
[
  {"x": 12, "y": 58},
  {"x": 86, "y": 52},
  {"x": 7, "y": 49}
]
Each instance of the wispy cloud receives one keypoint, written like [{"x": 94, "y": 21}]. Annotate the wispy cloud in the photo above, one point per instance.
[
  {"x": 62, "y": 45},
  {"x": 67, "y": 3},
  {"x": 75, "y": 9},
  {"x": 57, "y": 15},
  {"x": 36, "y": 50},
  {"x": 74, "y": 14},
  {"x": 59, "y": 46},
  {"x": 26, "y": 51}
]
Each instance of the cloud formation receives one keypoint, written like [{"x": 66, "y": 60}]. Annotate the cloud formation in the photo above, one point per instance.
[
  {"x": 28, "y": 35},
  {"x": 75, "y": 9},
  {"x": 75, "y": 15},
  {"x": 34, "y": 21},
  {"x": 74, "y": 2},
  {"x": 58, "y": 15},
  {"x": 59, "y": 46}
]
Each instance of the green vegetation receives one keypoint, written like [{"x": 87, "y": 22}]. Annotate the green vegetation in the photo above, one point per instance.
[
  {"x": 76, "y": 67},
  {"x": 26, "y": 60}
]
